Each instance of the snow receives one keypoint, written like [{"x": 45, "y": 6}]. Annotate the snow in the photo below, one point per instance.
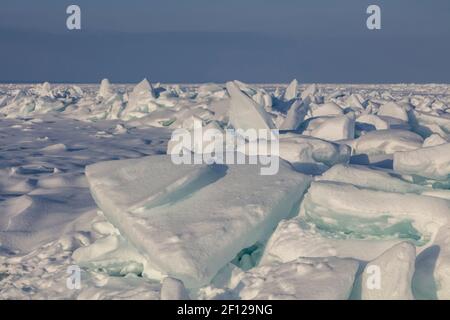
[
  {"x": 244, "y": 112},
  {"x": 430, "y": 162},
  {"x": 327, "y": 109},
  {"x": 396, "y": 270},
  {"x": 173, "y": 289},
  {"x": 164, "y": 210},
  {"x": 291, "y": 90},
  {"x": 365, "y": 212},
  {"x": 393, "y": 110},
  {"x": 295, "y": 115},
  {"x": 105, "y": 90},
  {"x": 297, "y": 238},
  {"x": 335, "y": 129},
  {"x": 387, "y": 142},
  {"x": 302, "y": 279},
  {"x": 363, "y": 183}
]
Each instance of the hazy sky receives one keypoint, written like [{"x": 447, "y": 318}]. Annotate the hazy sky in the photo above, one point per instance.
[{"x": 219, "y": 40}]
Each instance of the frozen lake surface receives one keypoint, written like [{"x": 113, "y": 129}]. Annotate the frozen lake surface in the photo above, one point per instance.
[{"x": 363, "y": 185}]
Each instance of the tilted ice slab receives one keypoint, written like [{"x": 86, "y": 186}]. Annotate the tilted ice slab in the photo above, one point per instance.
[
  {"x": 389, "y": 277},
  {"x": 328, "y": 278},
  {"x": 140, "y": 100},
  {"x": 295, "y": 115},
  {"x": 295, "y": 238},
  {"x": 432, "y": 276},
  {"x": 105, "y": 91},
  {"x": 190, "y": 220},
  {"x": 291, "y": 90},
  {"x": 427, "y": 119},
  {"x": 244, "y": 112},
  {"x": 431, "y": 162},
  {"x": 365, "y": 212}
]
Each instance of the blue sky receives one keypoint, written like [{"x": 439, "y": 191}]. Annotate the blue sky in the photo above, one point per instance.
[{"x": 213, "y": 40}]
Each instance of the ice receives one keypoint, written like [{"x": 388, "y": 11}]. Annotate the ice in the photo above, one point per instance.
[
  {"x": 431, "y": 162},
  {"x": 295, "y": 115},
  {"x": 311, "y": 155},
  {"x": 364, "y": 212},
  {"x": 387, "y": 142},
  {"x": 428, "y": 122},
  {"x": 432, "y": 277},
  {"x": 296, "y": 238},
  {"x": 165, "y": 210},
  {"x": 372, "y": 120},
  {"x": 301, "y": 279},
  {"x": 291, "y": 90},
  {"x": 395, "y": 269},
  {"x": 173, "y": 289},
  {"x": 112, "y": 254},
  {"x": 368, "y": 178},
  {"x": 393, "y": 110},
  {"x": 309, "y": 92},
  {"x": 218, "y": 230},
  {"x": 140, "y": 100},
  {"x": 105, "y": 90},
  {"x": 434, "y": 140},
  {"x": 244, "y": 112},
  {"x": 335, "y": 129},
  {"x": 327, "y": 109}
]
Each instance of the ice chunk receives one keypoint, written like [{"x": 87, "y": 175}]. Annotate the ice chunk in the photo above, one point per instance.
[
  {"x": 389, "y": 276},
  {"x": 368, "y": 178},
  {"x": 387, "y": 142},
  {"x": 291, "y": 90},
  {"x": 431, "y": 162},
  {"x": 364, "y": 212},
  {"x": 392, "y": 109},
  {"x": 173, "y": 289},
  {"x": 427, "y": 119},
  {"x": 327, "y": 109},
  {"x": 434, "y": 140},
  {"x": 244, "y": 112},
  {"x": 44, "y": 89},
  {"x": 105, "y": 90},
  {"x": 190, "y": 220},
  {"x": 310, "y": 92},
  {"x": 295, "y": 115},
  {"x": 308, "y": 154},
  {"x": 302, "y": 279},
  {"x": 111, "y": 254},
  {"x": 442, "y": 266},
  {"x": 141, "y": 95},
  {"x": 355, "y": 103},
  {"x": 295, "y": 238},
  {"x": 373, "y": 120},
  {"x": 335, "y": 129}
]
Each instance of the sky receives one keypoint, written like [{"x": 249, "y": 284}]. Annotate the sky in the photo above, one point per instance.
[{"x": 194, "y": 41}]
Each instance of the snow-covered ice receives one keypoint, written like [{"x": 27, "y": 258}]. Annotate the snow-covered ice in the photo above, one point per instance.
[
  {"x": 86, "y": 180},
  {"x": 190, "y": 220}
]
